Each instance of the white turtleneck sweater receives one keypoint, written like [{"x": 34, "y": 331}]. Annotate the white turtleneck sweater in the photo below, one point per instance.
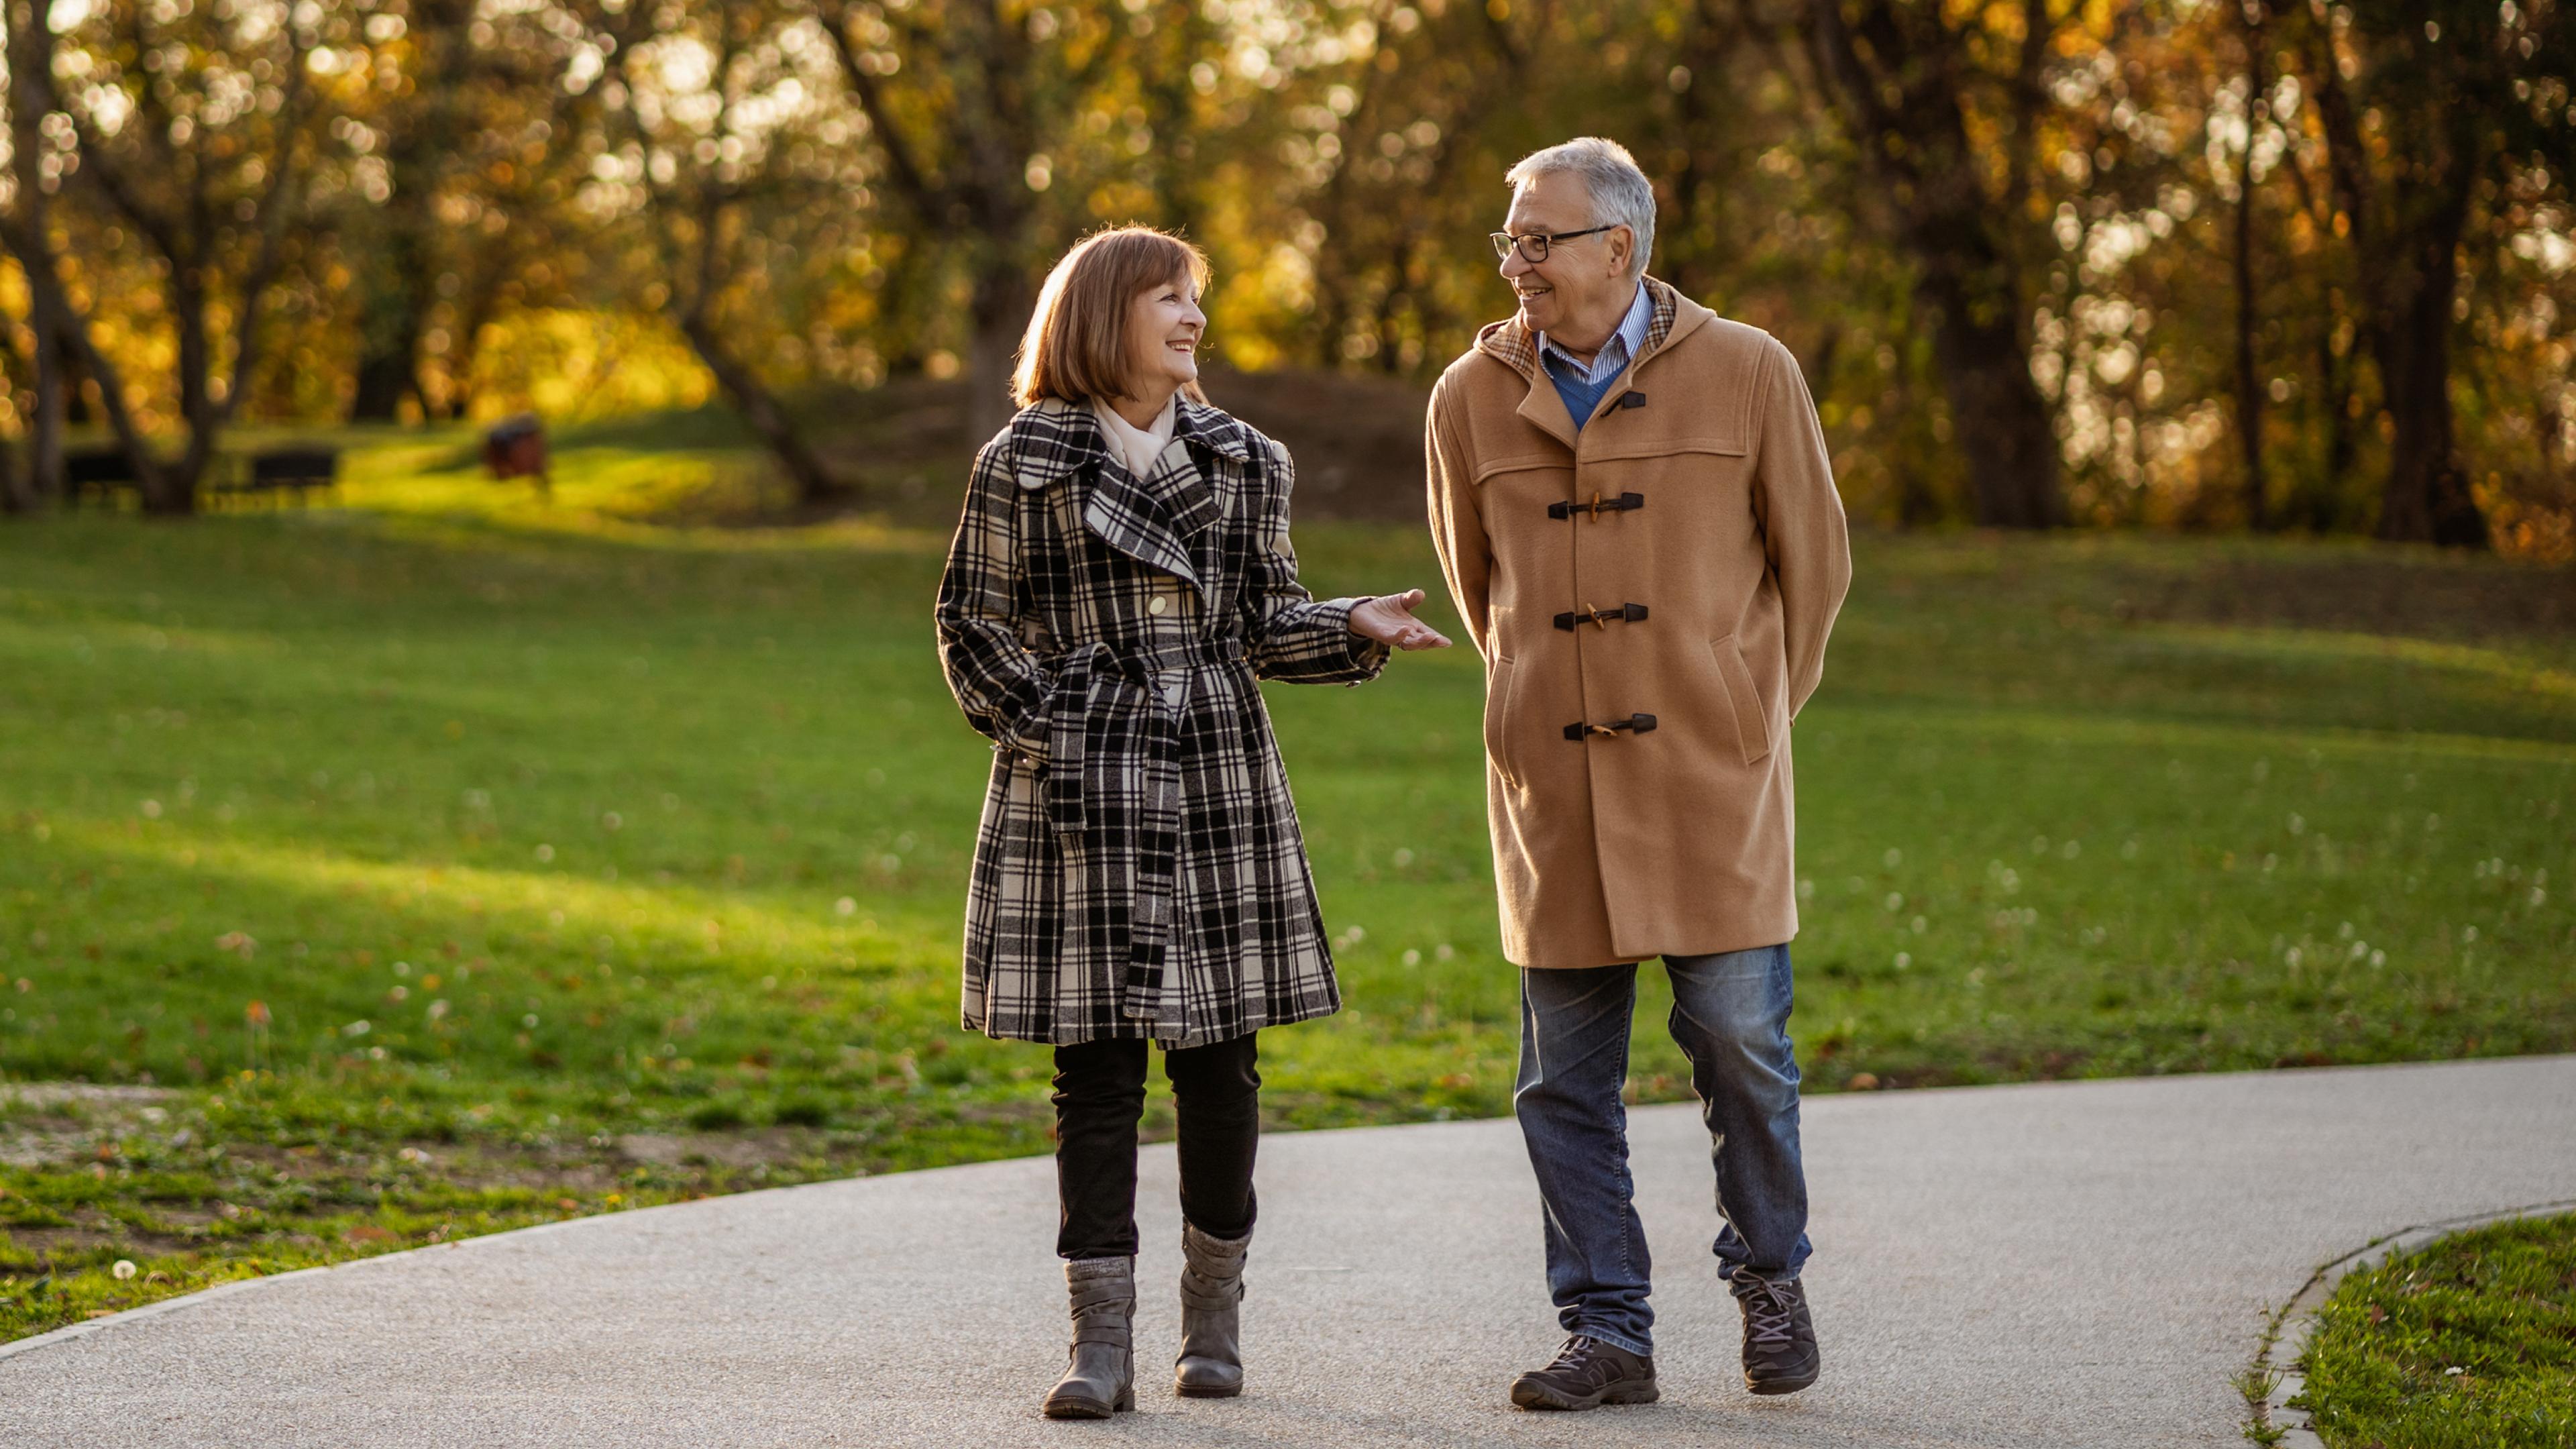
[{"x": 1137, "y": 447}]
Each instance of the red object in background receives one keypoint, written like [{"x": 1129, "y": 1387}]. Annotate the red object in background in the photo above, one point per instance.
[{"x": 515, "y": 447}]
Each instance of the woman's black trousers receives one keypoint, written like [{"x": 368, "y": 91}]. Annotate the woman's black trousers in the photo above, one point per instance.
[{"x": 1100, "y": 1097}]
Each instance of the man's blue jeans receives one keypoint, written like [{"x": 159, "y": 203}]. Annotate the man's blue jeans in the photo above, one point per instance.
[{"x": 1730, "y": 1017}]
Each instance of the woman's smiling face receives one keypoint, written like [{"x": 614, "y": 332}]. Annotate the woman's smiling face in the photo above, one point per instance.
[{"x": 1164, "y": 325}]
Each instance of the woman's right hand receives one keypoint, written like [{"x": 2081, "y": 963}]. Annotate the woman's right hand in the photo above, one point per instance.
[{"x": 1389, "y": 620}]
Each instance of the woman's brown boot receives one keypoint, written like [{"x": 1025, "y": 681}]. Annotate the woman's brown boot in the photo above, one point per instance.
[
  {"x": 1100, "y": 1376},
  {"x": 1211, "y": 1362}
]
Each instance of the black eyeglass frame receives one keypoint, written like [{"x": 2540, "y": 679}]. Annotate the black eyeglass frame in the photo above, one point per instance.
[{"x": 1505, "y": 243}]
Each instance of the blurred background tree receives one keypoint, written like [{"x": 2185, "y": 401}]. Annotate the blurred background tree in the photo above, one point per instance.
[{"x": 2175, "y": 263}]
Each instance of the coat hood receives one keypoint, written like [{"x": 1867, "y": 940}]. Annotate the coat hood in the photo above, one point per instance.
[{"x": 1511, "y": 343}]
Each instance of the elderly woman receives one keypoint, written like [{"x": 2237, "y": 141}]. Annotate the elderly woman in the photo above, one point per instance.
[{"x": 1120, "y": 580}]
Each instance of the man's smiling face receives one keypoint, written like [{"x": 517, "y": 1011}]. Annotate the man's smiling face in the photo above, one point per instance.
[{"x": 1578, "y": 294}]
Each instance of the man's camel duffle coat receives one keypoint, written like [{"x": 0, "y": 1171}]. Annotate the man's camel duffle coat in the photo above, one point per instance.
[{"x": 1651, "y": 596}]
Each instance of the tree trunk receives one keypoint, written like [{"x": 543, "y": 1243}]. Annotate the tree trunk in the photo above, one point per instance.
[
  {"x": 45, "y": 429},
  {"x": 171, "y": 488},
  {"x": 1002, "y": 307},
  {"x": 76, "y": 409},
  {"x": 767, "y": 417},
  {"x": 386, "y": 372},
  {"x": 40, "y": 482},
  {"x": 1897, "y": 88},
  {"x": 2406, "y": 228},
  {"x": 2249, "y": 386},
  {"x": 425, "y": 137},
  {"x": 1997, "y": 417},
  {"x": 2426, "y": 498},
  {"x": 393, "y": 310},
  {"x": 30, "y": 58}
]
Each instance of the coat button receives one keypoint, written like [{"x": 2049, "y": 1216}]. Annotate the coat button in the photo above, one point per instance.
[{"x": 1158, "y": 605}]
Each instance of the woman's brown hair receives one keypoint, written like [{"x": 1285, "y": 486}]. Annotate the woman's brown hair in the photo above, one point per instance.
[{"x": 1076, "y": 346}]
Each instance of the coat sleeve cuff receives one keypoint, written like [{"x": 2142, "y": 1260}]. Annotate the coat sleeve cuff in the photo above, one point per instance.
[{"x": 1367, "y": 656}]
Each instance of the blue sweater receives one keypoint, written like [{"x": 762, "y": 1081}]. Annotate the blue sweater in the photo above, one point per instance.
[{"x": 1580, "y": 397}]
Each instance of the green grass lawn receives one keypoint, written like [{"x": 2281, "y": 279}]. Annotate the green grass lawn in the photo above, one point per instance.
[
  {"x": 448, "y": 862},
  {"x": 2469, "y": 1344}
]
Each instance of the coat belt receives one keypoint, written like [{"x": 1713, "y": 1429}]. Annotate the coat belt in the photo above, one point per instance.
[{"x": 1126, "y": 756}]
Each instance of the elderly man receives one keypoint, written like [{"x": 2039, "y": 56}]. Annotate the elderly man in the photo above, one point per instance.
[{"x": 1636, "y": 515}]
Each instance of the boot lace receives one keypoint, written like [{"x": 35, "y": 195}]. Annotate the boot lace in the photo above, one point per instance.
[
  {"x": 1769, "y": 1311},
  {"x": 1582, "y": 1358}
]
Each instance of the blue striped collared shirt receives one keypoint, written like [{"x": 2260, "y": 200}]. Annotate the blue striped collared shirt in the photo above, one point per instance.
[{"x": 1614, "y": 355}]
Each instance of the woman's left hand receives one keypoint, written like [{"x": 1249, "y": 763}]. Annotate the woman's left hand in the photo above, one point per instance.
[{"x": 1389, "y": 620}]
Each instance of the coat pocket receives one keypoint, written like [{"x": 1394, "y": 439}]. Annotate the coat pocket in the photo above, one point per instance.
[
  {"x": 1752, "y": 721},
  {"x": 1500, "y": 713}
]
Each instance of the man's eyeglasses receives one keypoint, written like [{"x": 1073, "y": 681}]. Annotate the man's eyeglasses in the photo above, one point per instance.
[{"x": 1533, "y": 247}]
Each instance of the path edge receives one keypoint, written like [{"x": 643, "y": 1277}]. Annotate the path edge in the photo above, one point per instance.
[
  {"x": 2285, "y": 1339},
  {"x": 506, "y": 1237}
]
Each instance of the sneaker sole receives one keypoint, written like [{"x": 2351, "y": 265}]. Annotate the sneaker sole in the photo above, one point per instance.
[
  {"x": 1532, "y": 1396},
  {"x": 1780, "y": 1386}
]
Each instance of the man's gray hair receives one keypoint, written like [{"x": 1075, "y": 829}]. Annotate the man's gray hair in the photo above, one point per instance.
[{"x": 1621, "y": 194}]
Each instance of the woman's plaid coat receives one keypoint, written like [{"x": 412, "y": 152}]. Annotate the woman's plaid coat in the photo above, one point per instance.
[{"x": 1139, "y": 871}]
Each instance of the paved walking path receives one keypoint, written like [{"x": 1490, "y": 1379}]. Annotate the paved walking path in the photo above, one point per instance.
[{"x": 2084, "y": 1264}]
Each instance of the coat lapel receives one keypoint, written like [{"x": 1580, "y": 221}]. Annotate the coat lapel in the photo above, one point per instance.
[{"x": 1151, "y": 519}]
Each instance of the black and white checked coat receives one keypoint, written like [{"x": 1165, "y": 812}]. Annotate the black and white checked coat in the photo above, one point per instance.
[{"x": 1139, "y": 870}]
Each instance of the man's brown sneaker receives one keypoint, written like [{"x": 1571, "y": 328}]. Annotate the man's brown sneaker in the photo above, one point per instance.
[
  {"x": 1587, "y": 1374},
  {"x": 1780, "y": 1354}
]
